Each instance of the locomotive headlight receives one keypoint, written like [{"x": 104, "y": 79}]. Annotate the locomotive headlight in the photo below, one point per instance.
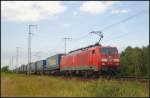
[
  {"x": 103, "y": 63},
  {"x": 116, "y": 60},
  {"x": 104, "y": 60}
]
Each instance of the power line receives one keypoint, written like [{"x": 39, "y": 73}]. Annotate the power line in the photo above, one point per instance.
[
  {"x": 117, "y": 23},
  {"x": 85, "y": 36},
  {"x": 37, "y": 55},
  {"x": 124, "y": 20},
  {"x": 119, "y": 36}
]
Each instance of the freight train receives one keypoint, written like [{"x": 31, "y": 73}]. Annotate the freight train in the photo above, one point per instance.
[{"x": 93, "y": 60}]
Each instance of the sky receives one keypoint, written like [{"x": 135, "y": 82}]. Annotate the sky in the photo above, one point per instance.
[{"x": 56, "y": 20}]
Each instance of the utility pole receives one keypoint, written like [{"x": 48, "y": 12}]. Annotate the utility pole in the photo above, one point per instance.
[
  {"x": 17, "y": 58},
  {"x": 65, "y": 43},
  {"x": 29, "y": 48},
  {"x": 12, "y": 61}
]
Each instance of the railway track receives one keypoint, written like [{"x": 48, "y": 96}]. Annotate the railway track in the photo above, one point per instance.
[
  {"x": 107, "y": 77},
  {"x": 119, "y": 78},
  {"x": 127, "y": 78},
  {"x": 131, "y": 78}
]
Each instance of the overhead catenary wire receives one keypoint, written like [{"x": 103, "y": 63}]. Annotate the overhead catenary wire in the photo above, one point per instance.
[
  {"x": 82, "y": 37},
  {"x": 124, "y": 20},
  {"x": 117, "y": 23},
  {"x": 120, "y": 36},
  {"x": 117, "y": 37}
]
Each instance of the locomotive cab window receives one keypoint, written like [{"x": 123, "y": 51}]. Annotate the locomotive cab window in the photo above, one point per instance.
[
  {"x": 104, "y": 50},
  {"x": 108, "y": 50}
]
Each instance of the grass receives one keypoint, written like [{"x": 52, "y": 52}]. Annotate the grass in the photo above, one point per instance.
[{"x": 22, "y": 85}]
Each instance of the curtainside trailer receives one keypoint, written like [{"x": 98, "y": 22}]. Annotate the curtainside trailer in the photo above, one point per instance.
[
  {"x": 53, "y": 64},
  {"x": 40, "y": 66}
]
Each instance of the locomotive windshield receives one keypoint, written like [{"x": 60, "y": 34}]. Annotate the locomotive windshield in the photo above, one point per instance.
[{"x": 105, "y": 50}]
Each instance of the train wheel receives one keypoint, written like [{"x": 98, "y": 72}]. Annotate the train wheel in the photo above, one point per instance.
[
  {"x": 70, "y": 73},
  {"x": 86, "y": 75},
  {"x": 95, "y": 75},
  {"x": 66, "y": 74}
]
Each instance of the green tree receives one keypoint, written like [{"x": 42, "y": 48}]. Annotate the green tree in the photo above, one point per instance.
[
  {"x": 135, "y": 61},
  {"x": 145, "y": 58},
  {"x": 5, "y": 68},
  {"x": 126, "y": 62}
]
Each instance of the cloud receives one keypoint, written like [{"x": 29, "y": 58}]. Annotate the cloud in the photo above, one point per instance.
[
  {"x": 72, "y": 2},
  {"x": 96, "y": 7},
  {"x": 30, "y": 10},
  {"x": 118, "y": 11},
  {"x": 75, "y": 13},
  {"x": 66, "y": 25}
]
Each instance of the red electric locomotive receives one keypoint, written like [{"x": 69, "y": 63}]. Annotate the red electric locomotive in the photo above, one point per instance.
[{"x": 95, "y": 59}]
